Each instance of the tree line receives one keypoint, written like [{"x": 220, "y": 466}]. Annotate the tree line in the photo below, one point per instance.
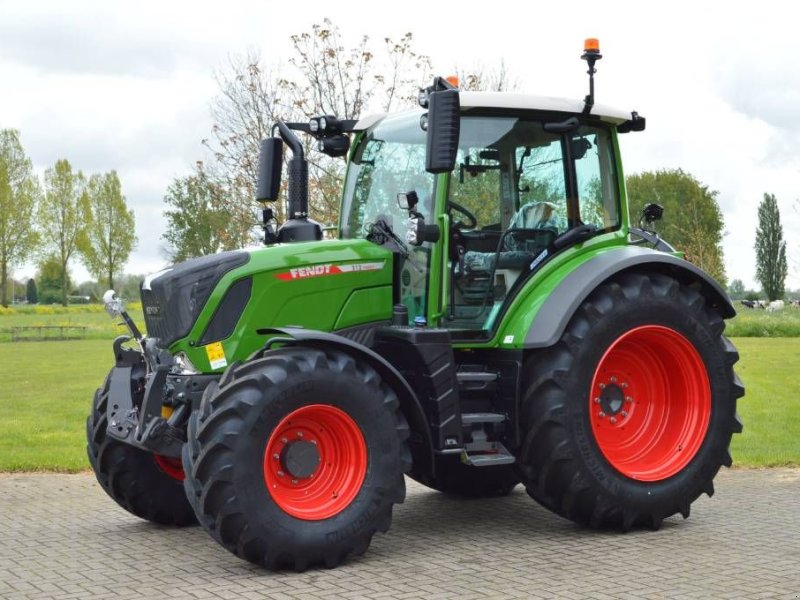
[{"x": 63, "y": 217}]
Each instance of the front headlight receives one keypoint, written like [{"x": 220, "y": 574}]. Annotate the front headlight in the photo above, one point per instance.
[{"x": 183, "y": 366}]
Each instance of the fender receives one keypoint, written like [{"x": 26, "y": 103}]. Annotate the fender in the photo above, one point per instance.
[
  {"x": 409, "y": 402},
  {"x": 551, "y": 320}
]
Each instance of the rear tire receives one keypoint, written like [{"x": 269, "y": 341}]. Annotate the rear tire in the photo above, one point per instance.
[
  {"x": 263, "y": 507},
  {"x": 649, "y": 352},
  {"x": 146, "y": 485}
]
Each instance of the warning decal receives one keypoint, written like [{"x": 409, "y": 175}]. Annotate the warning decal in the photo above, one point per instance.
[{"x": 216, "y": 356}]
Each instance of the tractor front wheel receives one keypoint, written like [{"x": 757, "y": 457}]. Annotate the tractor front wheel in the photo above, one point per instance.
[
  {"x": 297, "y": 458},
  {"x": 630, "y": 415},
  {"x": 145, "y": 484}
]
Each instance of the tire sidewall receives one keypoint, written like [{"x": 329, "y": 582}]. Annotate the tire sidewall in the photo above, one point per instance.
[
  {"x": 626, "y": 315},
  {"x": 366, "y": 406}
]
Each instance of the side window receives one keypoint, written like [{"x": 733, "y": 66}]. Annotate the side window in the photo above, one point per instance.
[
  {"x": 597, "y": 184},
  {"x": 542, "y": 191},
  {"x": 476, "y": 185}
]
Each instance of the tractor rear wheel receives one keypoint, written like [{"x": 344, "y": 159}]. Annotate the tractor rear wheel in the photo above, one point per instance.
[
  {"x": 630, "y": 415},
  {"x": 145, "y": 484},
  {"x": 297, "y": 458}
]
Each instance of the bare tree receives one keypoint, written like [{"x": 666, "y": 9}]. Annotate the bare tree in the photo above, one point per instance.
[
  {"x": 323, "y": 77},
  {"x": 481, "y": 78}
]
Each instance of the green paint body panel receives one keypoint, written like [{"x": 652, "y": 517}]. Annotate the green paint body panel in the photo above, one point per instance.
[{"x": 314, "y": 299}]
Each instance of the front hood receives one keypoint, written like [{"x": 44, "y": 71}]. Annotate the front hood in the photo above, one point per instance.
[{"x": 326, "y": 285}]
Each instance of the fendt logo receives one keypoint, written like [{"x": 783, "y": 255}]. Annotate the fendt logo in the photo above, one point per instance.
[{"x": 329, "y": 269}]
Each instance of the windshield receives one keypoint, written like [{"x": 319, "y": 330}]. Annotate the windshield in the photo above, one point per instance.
[{"x": 391, "y": 159}]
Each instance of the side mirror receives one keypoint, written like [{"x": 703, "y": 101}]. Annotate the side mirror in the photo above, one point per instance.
[
  {"x": 444, "y": 123},
  {"x": 418, "y": 232},
  {"x": 270, "y": 165},
  {"x": 652, "y": 213}
]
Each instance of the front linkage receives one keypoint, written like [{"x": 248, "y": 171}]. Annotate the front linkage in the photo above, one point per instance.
[{"x": 151, "y": 392}]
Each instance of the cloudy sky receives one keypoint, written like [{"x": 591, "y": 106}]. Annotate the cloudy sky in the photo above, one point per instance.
[{"x": 126, "y": 86}]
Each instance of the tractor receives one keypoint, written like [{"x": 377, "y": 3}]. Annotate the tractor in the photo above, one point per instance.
[{"x": 487, "y": 316}]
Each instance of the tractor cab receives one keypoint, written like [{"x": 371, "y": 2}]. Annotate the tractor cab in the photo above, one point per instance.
[{"x": 530, "y": 177}]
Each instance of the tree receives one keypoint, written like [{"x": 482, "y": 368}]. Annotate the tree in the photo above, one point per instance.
[
  {"x": 111, "y": 228},
  {"x": 19, "y": 195},
  {"x": 323, "y": 77},
  {"x": 198, "y": 219},
  {"x": 52, "y": 278},
  {"x": 736, "y": 289},
  {"x": 63, "y": 216},
  {"x": 692, "y": 220},
  {"x": 31, "y": 294},
  {"x": 771, "y": 268}
]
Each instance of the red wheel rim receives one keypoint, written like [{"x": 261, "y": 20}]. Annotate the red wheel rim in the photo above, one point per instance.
[
  {"x": 650, "y": 403},
  {"x": 171, "y": 465},
  {"x": 333, "y": 465}
]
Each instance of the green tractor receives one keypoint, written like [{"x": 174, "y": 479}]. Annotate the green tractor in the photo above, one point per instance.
[{"x": 487, "y": 316}]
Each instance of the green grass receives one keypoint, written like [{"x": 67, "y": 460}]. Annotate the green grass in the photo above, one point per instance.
[
  {"x": 92, "y": 316},
  {"x": 48, "y": 387},
  {"x": 46, "y": 396},
  {"x": 770, "y": 409},
  {"x": 760, "y": 323}
]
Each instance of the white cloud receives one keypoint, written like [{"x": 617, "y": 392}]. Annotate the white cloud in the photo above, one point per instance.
[{"x": 127, "y": 86}]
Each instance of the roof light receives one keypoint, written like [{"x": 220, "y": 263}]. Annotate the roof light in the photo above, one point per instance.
[
  {"x": 452, "y": 80},
  {"x": 591, "y": 45}
]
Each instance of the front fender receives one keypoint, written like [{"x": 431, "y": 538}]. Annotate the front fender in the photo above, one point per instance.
[{"x": 421, "y": 440}]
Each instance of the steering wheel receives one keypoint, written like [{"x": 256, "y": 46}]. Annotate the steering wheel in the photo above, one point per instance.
[{"x": 471, "y": 221}]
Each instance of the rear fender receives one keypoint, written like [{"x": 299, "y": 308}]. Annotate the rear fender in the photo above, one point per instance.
[{"x": 552, "y": 319}]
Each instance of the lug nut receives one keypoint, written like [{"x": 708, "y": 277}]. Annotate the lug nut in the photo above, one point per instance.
[
  {"x": 624, "y": 413},
  {"x": 628, "y": 399},
  {"x": 623, "y": 385},
  {"x": 299, "y": 434},
  {"x": 276, "y": 456},
  {"x": 284, "y": 441},
  {"x": 613, "y": 419},
  {"x": 280, "y": 473},
  {"x": 314, "y": 442},
  {"x": 602, "y": 386},
  {"x": 601, "y": 414},
  {"x": 613, "y": 380},
  {"x": 597, "y": 400}
]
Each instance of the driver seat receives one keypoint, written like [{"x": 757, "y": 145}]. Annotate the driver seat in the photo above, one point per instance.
[{"x": 517, "y": 252}]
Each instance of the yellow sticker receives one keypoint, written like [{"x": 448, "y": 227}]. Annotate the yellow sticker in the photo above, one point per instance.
[{"x": 216, "y": 355}]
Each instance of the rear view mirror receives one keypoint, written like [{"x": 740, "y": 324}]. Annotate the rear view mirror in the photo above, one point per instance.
[
  {"x": 444, "y": 121},
  {"x": 270, "y": 165}
]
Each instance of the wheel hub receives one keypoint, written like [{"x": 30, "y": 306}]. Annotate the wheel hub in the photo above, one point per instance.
[
  {"x": 300, "y": 458},
  {"x": 612, "y": 399}
]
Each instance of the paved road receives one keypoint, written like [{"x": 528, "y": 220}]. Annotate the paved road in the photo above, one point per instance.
[{"x": 61, "y": 537}]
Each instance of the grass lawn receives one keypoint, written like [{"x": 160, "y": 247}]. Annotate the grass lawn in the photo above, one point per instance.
[
  {"x": 48, "y": 386},
  {"x": 97, "y": 322}
]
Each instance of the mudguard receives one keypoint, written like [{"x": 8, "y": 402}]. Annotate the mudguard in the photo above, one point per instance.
[
  {"x": 409, "y": 402},
  {"x": 557, "y": 310}
]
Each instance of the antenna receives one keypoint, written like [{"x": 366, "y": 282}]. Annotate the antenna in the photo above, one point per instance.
[{"x": 591, "y": 54}]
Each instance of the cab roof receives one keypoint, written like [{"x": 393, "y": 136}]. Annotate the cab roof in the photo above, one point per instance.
[{"x": 515, "y": 101}]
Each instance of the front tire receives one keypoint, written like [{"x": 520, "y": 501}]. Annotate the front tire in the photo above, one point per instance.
[
  {"x": 630, "y": 415},
  {"x": 297, "y": 458},
  {"x": 146, "y": 485}
]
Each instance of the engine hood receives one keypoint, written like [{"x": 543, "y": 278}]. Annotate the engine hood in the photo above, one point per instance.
[{"x": 326, "y": 285}]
